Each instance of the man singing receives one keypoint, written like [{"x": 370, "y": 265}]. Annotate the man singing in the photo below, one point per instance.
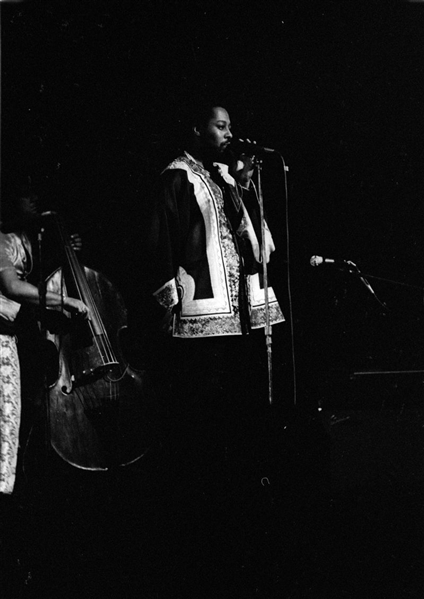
[{"x": 205, "y": 243}]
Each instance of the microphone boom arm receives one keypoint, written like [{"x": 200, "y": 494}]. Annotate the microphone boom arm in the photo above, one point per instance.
[{"x": 366, "y": 283}]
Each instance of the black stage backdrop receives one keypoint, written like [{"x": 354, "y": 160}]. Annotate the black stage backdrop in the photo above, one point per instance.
[{"x": 94, "y": 95}]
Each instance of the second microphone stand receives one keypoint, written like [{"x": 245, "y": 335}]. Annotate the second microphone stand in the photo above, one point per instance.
[{"x": 353, "y": 269}]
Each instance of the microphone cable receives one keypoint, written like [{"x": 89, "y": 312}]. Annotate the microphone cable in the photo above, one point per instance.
[{"x": 288, "y": 278}]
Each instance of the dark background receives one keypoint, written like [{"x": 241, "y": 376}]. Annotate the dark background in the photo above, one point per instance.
[{"x": 94, "y": 95}]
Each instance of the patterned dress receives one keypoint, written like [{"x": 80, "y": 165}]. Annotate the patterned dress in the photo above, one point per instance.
[{"x": 14, "y": 253}]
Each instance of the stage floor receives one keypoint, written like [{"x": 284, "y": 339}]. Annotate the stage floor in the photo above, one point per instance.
[{"x": 333, "y": 507}]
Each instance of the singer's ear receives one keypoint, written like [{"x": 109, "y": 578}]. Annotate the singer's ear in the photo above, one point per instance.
[{"x": 196, "y": 131}]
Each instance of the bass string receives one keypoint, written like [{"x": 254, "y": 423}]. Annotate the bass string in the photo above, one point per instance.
[{"x": 100, "y": 336}]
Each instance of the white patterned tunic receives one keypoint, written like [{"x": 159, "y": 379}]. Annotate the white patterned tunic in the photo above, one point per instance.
[{"x": 198, "y": 260}]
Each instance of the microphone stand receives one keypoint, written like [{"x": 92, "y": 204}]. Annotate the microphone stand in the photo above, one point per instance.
[
  {"x": 268, "y": 327},
  {"x": 41, "y": 284},
  {"x": 419, "y": 287},
  {"x": 42, "y": 290},
  {"x": 353, "y": 269},
  {"x": 367, "y": 284}
]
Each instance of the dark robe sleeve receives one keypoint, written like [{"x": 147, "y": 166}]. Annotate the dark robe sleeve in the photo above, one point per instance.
[{"x": 168, "y": 227}]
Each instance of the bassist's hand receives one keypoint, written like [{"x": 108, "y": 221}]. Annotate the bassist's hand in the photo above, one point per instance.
[
  {"x": 76, "y": 242},
  {"x": 77, "y": 307}
]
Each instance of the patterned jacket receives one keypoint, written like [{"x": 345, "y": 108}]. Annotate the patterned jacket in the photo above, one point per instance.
[{"x": 199, "y": 261}]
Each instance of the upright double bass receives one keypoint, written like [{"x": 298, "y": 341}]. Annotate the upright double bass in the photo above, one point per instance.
[{"x": 100, "y": 410}]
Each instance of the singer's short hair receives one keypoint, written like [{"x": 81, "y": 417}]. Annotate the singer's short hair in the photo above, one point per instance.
[
  {"x": 202, "y": 114},
  {"x": 199, "y": 107},
  {"x": 196, "y": 112}
]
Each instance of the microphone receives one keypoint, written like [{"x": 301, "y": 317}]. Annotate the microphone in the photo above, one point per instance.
[
  {"x": 318, "y": 260},
  {"x": 251, "y": 147}
]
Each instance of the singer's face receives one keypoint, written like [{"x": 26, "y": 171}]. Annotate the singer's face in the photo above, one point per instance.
[{"x": 216, "y": 136}]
